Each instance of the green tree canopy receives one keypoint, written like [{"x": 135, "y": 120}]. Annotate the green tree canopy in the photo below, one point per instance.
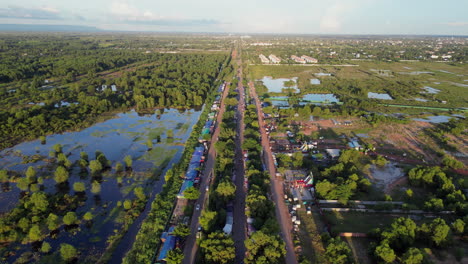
[
  {"x": 192, "y": 193},
  {"x": 263, "y": 248},
  {"x": 68, "y": 252},
  {"x": 218, "y": 248},
  {"x": 60, "y": 175}
]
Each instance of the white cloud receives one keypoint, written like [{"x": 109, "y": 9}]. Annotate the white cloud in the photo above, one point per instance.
[
  {"x": 457, "y": 24},
  {"x": 331, "y": 21},
  {"x": 30, "y": 13}
]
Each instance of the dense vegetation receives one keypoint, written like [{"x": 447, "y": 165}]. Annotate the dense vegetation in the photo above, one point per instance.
[{"x": 62, "y": 103}]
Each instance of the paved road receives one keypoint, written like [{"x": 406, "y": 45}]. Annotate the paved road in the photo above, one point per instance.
[
  {"x": 239, "y": 233},
  {"x": 282, "y": 213},
  {"x": 190, "y": 248}
]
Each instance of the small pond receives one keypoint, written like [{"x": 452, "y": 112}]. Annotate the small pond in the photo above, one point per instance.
[
  {"x": 321, "y": 98},
  {"x": 431, "y": 90},
  {"x": 434, "y": 119},
  {"x": 315, "y": 81},
  {"x": 382, "y": 96},
  {"x": 278, "y": 85},
  {"x": 321, "y": 74}
]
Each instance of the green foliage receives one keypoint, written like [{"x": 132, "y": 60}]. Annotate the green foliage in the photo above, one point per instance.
[
  {"x": 337, "y": 251},
  {"x": 95, "y": 187},
  {"x": 45, "y": 248},
  {"x": 95, "y": 166},
  {"x": 31, "y": 174},
  {"x": 79, "y": 187},
  {"x": 174, "y": 256},
  {"x": 53, "y": 222},
  {"x": 57, "y": 148},
  {"x": 181, "y": 231},
  {"x": 263, "y": 248},
  {"x": 35, "y": 233},
  {"x": 3, "y": 176},
  {"x": 128, "y": 161},
  {"x": 119, "y": 167},
  {"x": 191, "y": 193},
  {"x": 385, "y": 253},
  {"x": 413, "y": 256},
  {"x": 88, "y": 216},
  {"x": 70, "y": 218},
  {"x": 208, "y": 220},
  {"x": 68, "y": 252},
  {"x": 452, "y": 163},
  {"x": 140, "y": 193},
  {"x": 37, "y": 203},
  {"x": 61, "y": 175},
  {"x": 218, "y": 248},
  {"x": 437, "y": 231},
  {"x": 127, "y": 204},
  {"x": 458, "y": 226}
]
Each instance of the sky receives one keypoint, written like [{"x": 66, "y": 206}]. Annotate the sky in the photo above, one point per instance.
[{"x": 424, "y": 17}]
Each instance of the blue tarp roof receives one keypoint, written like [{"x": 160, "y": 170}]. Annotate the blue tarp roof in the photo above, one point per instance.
[
  {"x": 208, "y": 123},
  {"x": 168, "y": 245}
]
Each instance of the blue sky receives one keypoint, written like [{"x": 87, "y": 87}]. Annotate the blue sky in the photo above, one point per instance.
[{"x": 248, "y": 16}]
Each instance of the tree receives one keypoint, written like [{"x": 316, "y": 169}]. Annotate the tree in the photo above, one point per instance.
[
  {"x": 181, "y": 231},
  {"x": 338, "y": 251},
  {"x": 88, "y": 216},
  {"x": 402, "y": 233},
  {"x": 79, "y": 187},
  {"x": 31, "y": 174},
  {"x": 263, "y": 248},
  {"x": 60, "y": 175},
  {"x": 385, "y": 253},
  {"x": 226, "y": 190},
  {"x": 3, "y": 176},
  {"x": 174, "y": 256},
  {"x": 437, "y": 231},
  {"x": 53, "y": 222},
  {"x": 208, "y": 219},
  {"x": 37, "y": 203},
  {"x": 57, "y": 148},
  {"x": 95, "y": 187},
  {"x": 119, "y": 167},
  {"x": 45, "y": 248},
  {"x": 297, "y": 159},
  {"x": 139, "y": 193},
  {"x": 68, "y": 252},
  {"x": 458, "y": 226},
  {"x": 35, "y": 233},
  {"x": 412, "y": 256},
  {"x": 95, "y": 166},
  {"x": 191, "y": 193},
  {"x": 128, "y": 161},
  {"x": 70, "y": 218},
  {"x": 127, "y": 204},
  {"x": 218, "y": 248}
]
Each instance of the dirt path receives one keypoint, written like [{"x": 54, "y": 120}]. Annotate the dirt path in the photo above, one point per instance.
[{"x": 277, "y": 192}]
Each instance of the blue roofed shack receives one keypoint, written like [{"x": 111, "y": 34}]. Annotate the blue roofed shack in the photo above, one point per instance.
[{"x": 169, "y": 242}]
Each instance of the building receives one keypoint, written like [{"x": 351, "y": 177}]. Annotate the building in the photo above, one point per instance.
[
  {"x": 264, "y": 59},
  {"x": 169, "y": 243},
  {"x": 355, "y": 145},
  {"x": 333, "y": 153},
  {"x": 274, "y": 59},
  {"x": 309, "y": 59},
  {"x": 297, "y": 59}
]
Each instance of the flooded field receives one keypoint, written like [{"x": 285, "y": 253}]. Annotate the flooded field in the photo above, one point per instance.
[
  {"x": 315, "y": 81},
  {"x": 280, "y": 85},
  {"x": 154, "y": 142},
  {"x": 322, "y": 98}
]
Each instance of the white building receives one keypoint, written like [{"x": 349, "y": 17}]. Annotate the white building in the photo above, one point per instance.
[
  {"x": 274, "y": 59},
  {"x": 309, "y": 59},
  {"x": 263, "y": 59},
  {"x": 297, "y": 59}
]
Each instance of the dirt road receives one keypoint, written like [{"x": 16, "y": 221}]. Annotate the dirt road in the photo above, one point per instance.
[
  {"x": 190, "y": 248},
  {"x": 277, "y": 192}
]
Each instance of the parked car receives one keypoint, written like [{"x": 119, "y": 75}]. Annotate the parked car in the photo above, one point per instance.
[{"x": 197, "y": 207}]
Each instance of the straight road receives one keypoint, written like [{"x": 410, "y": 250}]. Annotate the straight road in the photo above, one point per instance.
[
  {"x": 190, "y": 248},
  {"x": 239, "y": 227},
  {"x": 282, "y": 213}
]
